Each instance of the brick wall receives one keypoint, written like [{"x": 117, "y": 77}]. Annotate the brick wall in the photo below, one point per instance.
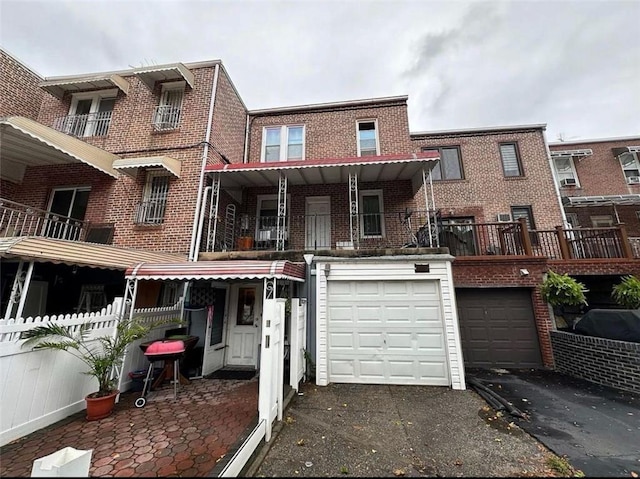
[
  {"x": 495, "y": 272},
  {"x": 229, "y": 120},
  {"x": 603, "y": 361},
  {"x": 485, "y": 191},
  {"x": 19, "y": 91},
  {"x": 610, "y": 266},
  {"x": 331, "y": 133}
]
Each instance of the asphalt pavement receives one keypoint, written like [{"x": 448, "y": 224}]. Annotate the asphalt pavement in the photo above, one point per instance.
[
  {"x": 395, "y": 431},
  {"x": 597, "y": 428}
]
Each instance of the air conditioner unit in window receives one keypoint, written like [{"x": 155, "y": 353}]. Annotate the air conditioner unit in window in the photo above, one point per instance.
[
  {"x": 503, "y": 217},
  {"x": 568, "y": 182},
  {"x": 633, "y": 180}
]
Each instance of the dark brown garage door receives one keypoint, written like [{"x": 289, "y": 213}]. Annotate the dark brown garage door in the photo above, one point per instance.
[{"x": 498, "y": 328}]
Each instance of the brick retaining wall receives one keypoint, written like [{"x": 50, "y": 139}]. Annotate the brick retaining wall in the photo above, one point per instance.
[{"x": 604, "y": 361}]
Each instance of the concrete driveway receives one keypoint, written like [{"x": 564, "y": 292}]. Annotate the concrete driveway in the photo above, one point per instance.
[
  {"x": 377, "y": 431},
  {"x": 596, "y": 427}
]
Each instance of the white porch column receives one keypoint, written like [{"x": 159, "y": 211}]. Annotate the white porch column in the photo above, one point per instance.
[
  {"x": 20, "y": 290},
  {"x": 281, "y": 230},
  {"x": 213, "y": 213},
  {"x": 434, "y": 237},
  {"x": 297, "y": 341},
  {"x": 354, "y": 217}
]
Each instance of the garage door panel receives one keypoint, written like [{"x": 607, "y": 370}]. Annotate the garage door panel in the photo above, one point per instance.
[
  {"x": 497, "y": 328},
  {"x": 386, "y": 332}
]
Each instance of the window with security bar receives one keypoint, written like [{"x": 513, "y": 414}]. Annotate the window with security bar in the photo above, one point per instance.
[
  {"x": 565, "y": 169},
  {"x": 630, "y": 167},
  {"x": 89, "y": 114},
  {"x": 168, "y": 112},
  {"x": 510, "y": 156},
  {"x": 152, "y": 209}
]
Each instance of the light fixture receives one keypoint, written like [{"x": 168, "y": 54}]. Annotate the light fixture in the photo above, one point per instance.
[{"x": 524, "y": 272}]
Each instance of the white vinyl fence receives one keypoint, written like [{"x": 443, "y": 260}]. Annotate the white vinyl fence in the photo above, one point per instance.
[{"x": 41, "y": 387}]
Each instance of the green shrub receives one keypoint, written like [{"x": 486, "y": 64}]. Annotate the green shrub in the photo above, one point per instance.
[
  {"x": 563, "y": 290},
  {"x": 627, "y": 292}
]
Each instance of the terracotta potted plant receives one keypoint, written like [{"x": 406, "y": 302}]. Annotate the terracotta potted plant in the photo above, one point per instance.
[
  {"x": 566, "y": 295},
  {"x": 103, "y": 355}
]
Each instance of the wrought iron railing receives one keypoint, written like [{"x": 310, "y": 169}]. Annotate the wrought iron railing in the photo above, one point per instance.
[
  {"x": 166, "y": 118},
  {"x": 635, "y": 246},
  {"x": 21, "y": 220},
  {"x": 91, "y": 124}
]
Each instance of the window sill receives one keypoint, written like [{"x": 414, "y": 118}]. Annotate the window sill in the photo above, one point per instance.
[
  {"x": 514, "y": 178},
  {"x": 452, "y": 180},
  {"x": 147, "y": 226},
  {"x": 372, "y": 237}
]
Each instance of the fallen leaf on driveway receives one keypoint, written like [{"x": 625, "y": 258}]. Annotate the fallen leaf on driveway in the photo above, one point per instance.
[
  {"x": 399, "y": 472},
  {"x": 634, "y": 474},
  {"x": 300, "y": 442}
]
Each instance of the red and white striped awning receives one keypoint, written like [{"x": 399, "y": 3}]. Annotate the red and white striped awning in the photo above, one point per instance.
[
  {"x": 218, "y": 270},
  {"x": 327, "y": 170}
]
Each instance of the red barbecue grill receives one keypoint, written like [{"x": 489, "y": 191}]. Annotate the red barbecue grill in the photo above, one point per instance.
[{"x": 167, "y": 350}]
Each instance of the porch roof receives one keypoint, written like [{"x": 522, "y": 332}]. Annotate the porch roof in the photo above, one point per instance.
[
  {"x": 607, "y": 200},
  {"x": 328, "y": 170},
  {"x": 218, "y": 270},
  {"x": 76, "y": 253},
  {"x": 26, "y": 142}
]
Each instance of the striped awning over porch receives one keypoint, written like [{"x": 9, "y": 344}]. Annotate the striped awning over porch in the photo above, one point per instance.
[{"x": 218, "y": 270}]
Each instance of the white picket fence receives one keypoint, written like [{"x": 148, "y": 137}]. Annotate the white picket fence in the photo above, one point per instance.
[{"x": 41, "y": 387}]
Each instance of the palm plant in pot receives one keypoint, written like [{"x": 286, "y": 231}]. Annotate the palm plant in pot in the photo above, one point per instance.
[
  {"x": 566, "y": 295},
  {"x": 103, "y": 355},
  {"x": 627, "y": 292}
]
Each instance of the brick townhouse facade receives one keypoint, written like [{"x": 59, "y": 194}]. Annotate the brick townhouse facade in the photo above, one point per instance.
[{"x": 332, "y": 179}]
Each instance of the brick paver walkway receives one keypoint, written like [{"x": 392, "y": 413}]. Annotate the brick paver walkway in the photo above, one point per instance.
[{"x": 185, "y": 437}]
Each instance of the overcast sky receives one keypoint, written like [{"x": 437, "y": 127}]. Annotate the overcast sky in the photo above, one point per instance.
[{"x": 574, "y": 65}]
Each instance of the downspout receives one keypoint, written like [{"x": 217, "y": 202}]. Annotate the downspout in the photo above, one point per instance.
[
  {"x": 246, "y": 141},
  {"x": 565, "y": 223},
  {"x": 193, "y": 248}
]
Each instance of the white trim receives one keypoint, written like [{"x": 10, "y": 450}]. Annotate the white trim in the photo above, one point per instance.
[
  {"x": 573, "y": 169},
  {"x": 337, "y": 104},
  {"x": 596, "y": 140},
  {"x": 375, "y": 123},
  {"x": 100, "y": 94},
  {"x": 284, "y": 142},
  {"x": 244, "y": 453},
  {"x": 635, "y": 167},
  {"x": 379, "y": 194}
]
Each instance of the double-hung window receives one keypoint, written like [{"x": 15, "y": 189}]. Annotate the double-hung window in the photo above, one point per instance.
[
  {"x": 525, "y": 212},
  {"x": 371, "y": 214},
  {"x": 630, "y": 167},
  {"x": 511, "y": 164},
  {"x": 152, "y": 209},
  {"x": 368, "y": 142},
  {"x": 282, "y": 143},
  {"x": 450, "y": 165},
  {"x": 168, "y": 112},
  {"x": 89, "y": 115}
]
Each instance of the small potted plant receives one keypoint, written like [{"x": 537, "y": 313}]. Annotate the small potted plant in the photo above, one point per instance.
[
  {"x": 566, "y": 295},
  {"x": 627, "y": 292},
  {"x": 103, "y": 355}
]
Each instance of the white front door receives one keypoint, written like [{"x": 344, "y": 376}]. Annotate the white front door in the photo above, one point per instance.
[
  {"x": 213, "y": 356},
  {"x": 318, "y": 222},
  {"x": 244, "y": 325}
]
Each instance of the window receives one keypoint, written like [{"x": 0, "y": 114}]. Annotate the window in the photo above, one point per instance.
[
  {"x": 525, "y": 212},
  {"x": 450, "y": 165},
  {"x": 283, "y": 143},
  {"x": 267, "y": 218},
  {"x": 566, "y": 171},
  {"x": 602, "y": 221},
  {"x": 90, "y": 114},
  {"x": 510, "y": 159},
  {"x": 371, "y": 214},
  {"x": 167, "y": 114},
  {"x": 368, "y": 138},
  {"x": 67, "y": 207},
  {"x": 152, "y": 209},
  {"x": 630, "y": 167},
  {"x": 572, "y": 219}
]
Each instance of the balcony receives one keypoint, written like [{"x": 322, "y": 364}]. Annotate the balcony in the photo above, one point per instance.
[
  {"x": 21, "y": 220},
  {"x": 91, "y": 124},
  {"x": 395, "y": 231}
]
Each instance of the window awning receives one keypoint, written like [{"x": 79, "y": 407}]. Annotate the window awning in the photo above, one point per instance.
[
  {"x": 608, "y": 200},
  {"x": 568, "y": 153},
  {"x": 172, "y": 72},
  {"x": 130, "y": 166},
  {"x": 625, "y": 149},
  {"x": 59, "y": 86},
  {"x": 25, "y": 142},
  {"x": 328, "y": 170},
  {"x": 219, "y": 270},
  {"x": 49, "y": 250}
]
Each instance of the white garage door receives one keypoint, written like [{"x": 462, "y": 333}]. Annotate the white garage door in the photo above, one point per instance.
[{"x": 386, "y": 332}]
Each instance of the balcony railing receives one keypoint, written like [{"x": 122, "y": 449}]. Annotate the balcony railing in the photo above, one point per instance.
[
  {"x": 166, "y": 118},
  {"x": 91, "y": 124},
  {"x": 21, "y": 220},
  {"x": 392, "y": 230}
]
